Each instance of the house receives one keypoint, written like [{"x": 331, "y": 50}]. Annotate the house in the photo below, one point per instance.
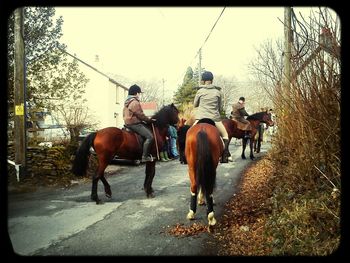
[
  {"x": 149, "y": 108},
  {"x": 105, "y": 96}
]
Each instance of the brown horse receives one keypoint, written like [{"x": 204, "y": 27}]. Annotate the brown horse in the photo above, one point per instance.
[
  {"x": 112, "y": 141},
  {"x": 203, "y": 151},
  {"x": 254, "y": 119}
]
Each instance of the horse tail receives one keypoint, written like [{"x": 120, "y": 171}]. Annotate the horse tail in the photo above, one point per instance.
[
  {"x": 81, "y": 157},
  {"x": 205, "y": 168}
]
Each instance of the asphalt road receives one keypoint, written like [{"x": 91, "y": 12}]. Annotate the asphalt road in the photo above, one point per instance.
[{"x": 66, "y": 222}]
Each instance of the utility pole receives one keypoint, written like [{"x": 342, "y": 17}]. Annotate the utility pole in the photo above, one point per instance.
[
  {"x": 287, "y": 49},
  {"x": 163, "y": 93},
  {"x": 199, "y": 66},
  {"x": 19, "y": 94}
]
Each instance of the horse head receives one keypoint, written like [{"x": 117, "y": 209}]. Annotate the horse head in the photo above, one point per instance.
[
  {"x": 263, "y": 116},
  {"x": 169, "y": 114},
  {"x": 267, "y": 118}
]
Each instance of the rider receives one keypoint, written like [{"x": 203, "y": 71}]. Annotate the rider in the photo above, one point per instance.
[
  {"x": 135, "y": 118},
  {"x": 208, "y": 101},
  {"x": 238, "y": 113}
]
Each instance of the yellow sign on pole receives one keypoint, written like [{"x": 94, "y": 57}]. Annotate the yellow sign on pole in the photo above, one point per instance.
[{"x": 19, "y": 110}]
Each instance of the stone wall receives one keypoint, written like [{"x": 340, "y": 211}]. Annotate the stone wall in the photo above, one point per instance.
[{"x": 52, "y": 161}]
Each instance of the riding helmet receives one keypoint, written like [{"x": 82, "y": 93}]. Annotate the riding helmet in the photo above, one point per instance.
[
  {"x": 242, "y": 98},
  {"x": 134, "y": 89},
  {"x": 207, "y": 75}
]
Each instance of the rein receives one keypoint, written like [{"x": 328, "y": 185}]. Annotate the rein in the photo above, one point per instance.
[{"x": 155, "y": 139}]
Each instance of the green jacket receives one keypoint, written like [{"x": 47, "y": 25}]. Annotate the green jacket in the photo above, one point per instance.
[{"x": 208, "y": 102}]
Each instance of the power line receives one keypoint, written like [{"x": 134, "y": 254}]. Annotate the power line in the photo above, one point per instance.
[
  {"x": 207, "y": 37},
  {"x": 212, "y": 29}
]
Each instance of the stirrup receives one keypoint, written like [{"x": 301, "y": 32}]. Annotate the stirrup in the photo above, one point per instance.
[{"x": 148, "y": 158}]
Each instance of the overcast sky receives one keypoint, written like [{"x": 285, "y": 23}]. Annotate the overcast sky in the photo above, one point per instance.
[{"x": 151, "y": 43}]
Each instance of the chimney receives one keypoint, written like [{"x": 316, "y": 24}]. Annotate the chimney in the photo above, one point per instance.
[{"x": 97, "y": 63}]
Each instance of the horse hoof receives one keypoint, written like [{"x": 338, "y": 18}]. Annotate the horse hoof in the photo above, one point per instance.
[
  {"x": 96, "y": 199},
  {"x": 108, "y": 195},
  {"x": 211, "y": 219},
  {"x": 201, "y": 202},
  {"x": 151, "y": 195},
  {"x": 190, "y": 215}
]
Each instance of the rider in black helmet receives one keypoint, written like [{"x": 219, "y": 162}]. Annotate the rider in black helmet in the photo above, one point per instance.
[
  {"x": 134, "y": 119},
  {"x": 208, "y": 101}
]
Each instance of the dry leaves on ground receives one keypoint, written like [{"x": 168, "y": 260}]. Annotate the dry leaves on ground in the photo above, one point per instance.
[
  {"x": 241, "y": 229},
  {"x": 180, "y": 230}
]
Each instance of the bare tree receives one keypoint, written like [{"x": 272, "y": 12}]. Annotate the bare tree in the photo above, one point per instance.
[
  {"x": 76, "y": 117},
  {"x": 229, "y": 91}
]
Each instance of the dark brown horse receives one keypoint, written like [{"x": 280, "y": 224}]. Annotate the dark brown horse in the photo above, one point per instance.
[
  {"x": 258, "y": 139},
  {"x": 112, "y": 141},
  {"x": 182, "y": 129},
  {"x": 203, "y": 151},
  {"x": 254, "y": 119}
]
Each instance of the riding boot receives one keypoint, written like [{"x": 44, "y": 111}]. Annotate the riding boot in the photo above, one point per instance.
[
  {"x": 225, "y": 154},
  {"x": 146, "y": 157}
]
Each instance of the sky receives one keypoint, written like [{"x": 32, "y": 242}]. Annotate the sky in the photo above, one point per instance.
[{"x": 156, "y": 43}]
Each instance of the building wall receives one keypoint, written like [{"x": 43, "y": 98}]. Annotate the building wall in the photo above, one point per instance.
[{"x": 104, "y": 99}]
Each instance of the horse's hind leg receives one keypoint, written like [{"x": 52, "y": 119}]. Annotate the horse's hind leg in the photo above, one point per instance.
[
  {"x": 210, "y": 212},
  {"x": 107, "y": 187},
  {"x": 193, "y": 206},
  {"x": 244, "y": 145},
  {"x": 251, "y": 150},
  {"x": 102, "y": 164},
  {"x": 201, "y": 200}
]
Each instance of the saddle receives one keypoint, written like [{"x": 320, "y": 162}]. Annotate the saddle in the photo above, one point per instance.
[
  {"x": 241, "y": 125},
  {"x": 206, "y": 120},
  {"x": 139, "y": 138}
]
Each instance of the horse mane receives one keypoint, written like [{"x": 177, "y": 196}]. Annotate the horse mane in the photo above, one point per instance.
[
  {"x": 162, "y": 116},
  {"x": 256, "y": 116}
]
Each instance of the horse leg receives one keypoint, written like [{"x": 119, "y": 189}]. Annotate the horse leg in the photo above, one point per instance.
[
  {"x": 259, "y": 146},
  {"x": 106, "y": 186},
  {"x": 254, "y": 145},
  {"x": 244, "y": 144},
  {"x": 193, "y": 202},
  {"x": 229, "y": 156},
  {"x": 193, "y": 206},
  {"x": 102, "y": 164},
  {"x": 251, "y": 150},
  {"x": 201, "y": 200},
  {"x": 94, "y": 196},
  {"x": 150, "y": 172},
  {"x": 210, "y": 212}
]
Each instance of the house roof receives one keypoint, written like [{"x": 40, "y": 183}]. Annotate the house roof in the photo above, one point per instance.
[
  {"x": 152, "y": 105},
  {"x": 86, "y": 64},
  {"x": 149, "y": 108}
]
